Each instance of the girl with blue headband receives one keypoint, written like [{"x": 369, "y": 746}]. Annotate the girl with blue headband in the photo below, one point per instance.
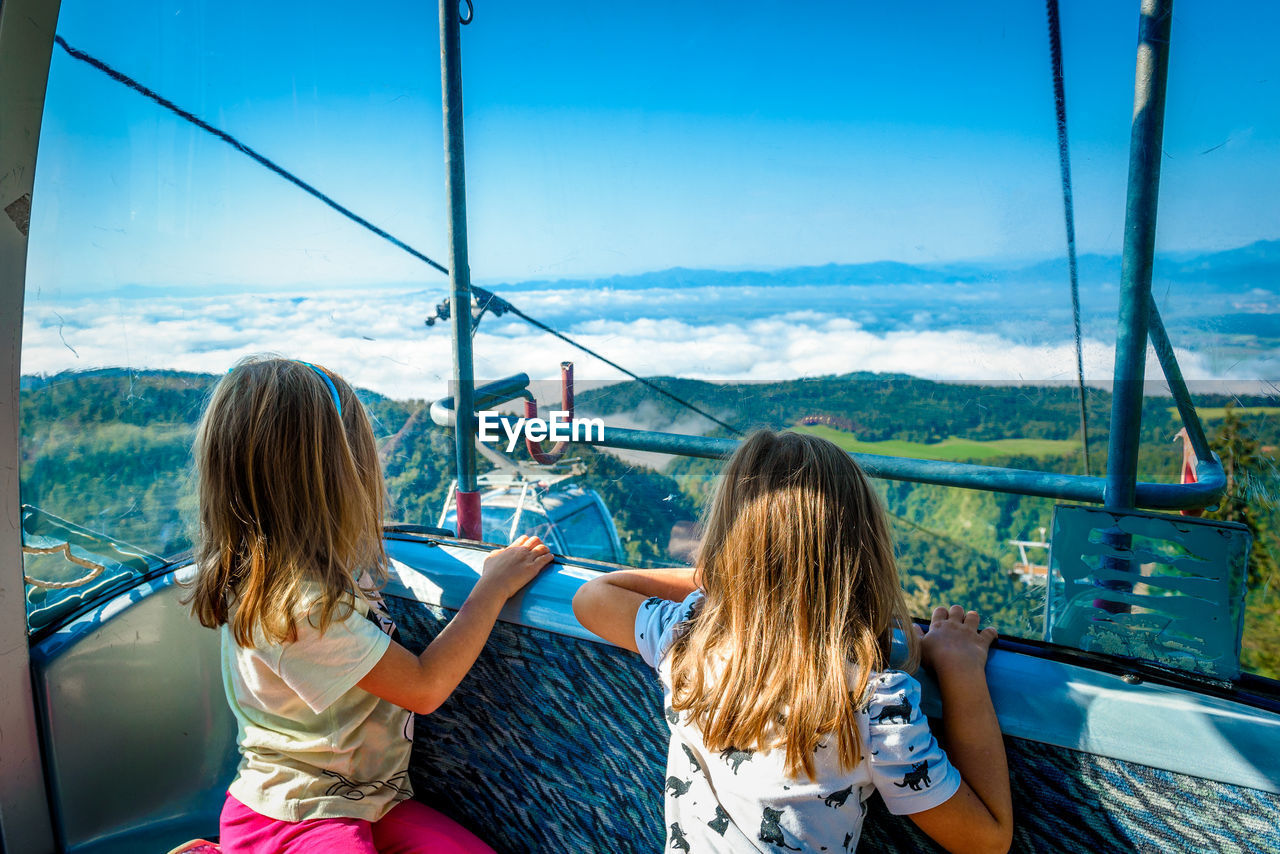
[{"x": 289, "y": 559}]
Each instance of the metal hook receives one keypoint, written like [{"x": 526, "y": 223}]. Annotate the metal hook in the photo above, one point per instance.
[
  {"x": 471, "y": 13},
  {"x": 551, "y": 457}
]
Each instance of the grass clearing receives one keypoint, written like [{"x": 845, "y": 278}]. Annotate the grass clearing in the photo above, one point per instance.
[
  {"x": 951, "y": 449},
  {"x": 1210, "y": 413}
]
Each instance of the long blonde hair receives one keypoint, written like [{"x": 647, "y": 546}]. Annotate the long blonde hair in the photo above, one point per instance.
[
  {"x": 290, "y": 491},
  {"x": 798, "y": 568}
]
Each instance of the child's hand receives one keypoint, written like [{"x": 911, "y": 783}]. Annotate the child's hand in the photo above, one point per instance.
[
  {"x": 954, "y": 643},
  {"x": 423, "y": 682},
  {"x": 509, "y": 569}
]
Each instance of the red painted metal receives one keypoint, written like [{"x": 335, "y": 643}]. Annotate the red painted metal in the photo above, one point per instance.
[
  {"x": 1188, "y": 469},
  {"x": 552, "y": 456},
  {"x": 468, "y": 504}
]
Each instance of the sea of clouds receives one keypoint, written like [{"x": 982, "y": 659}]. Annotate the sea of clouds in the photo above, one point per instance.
[{"x": 378, "y": 339}]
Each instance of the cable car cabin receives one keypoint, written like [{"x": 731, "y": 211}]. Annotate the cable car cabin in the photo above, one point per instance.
[
  {"x": 1106, "y": 752},
  {"x": 1128, "y": 721},
  {"x": 571, "y": 519}
]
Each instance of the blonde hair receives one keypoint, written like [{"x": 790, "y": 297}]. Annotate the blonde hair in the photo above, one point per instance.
[
  {"x": 800, "y": 579},
  {"x": 290, "y": 491}
]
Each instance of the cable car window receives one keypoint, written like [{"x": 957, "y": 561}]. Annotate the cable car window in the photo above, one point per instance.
[
  {"x": 869, "y": 247},
  {"x": 496, "y": 525},
  {"x": 171, "y": 235},
  {"x": 586, "y": 534}
]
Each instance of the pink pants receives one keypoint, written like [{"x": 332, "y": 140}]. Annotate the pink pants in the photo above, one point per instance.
[{"x": 409, "y": 828}]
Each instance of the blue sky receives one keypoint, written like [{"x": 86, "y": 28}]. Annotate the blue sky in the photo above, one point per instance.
[{"x": 622, "y": 137}]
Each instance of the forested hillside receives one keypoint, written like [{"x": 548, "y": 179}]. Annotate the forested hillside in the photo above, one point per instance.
[{"x": 110, "y": 450}]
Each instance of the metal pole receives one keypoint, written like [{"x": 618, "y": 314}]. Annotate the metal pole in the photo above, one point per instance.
[
  {"x": 1146, "y": 147},
  {"x": 1178, "y": 387},
  {"x": 1145, "y": 150},
  {"x": 467, "y": 498}
]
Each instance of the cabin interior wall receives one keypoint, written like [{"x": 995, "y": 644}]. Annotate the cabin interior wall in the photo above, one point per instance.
[
  {"x": 140, "y": 742},
  {"x": 26, "y": 42}
]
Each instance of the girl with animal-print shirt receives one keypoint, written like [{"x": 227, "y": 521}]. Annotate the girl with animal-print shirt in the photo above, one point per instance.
[{"x": 774, "y": 658}]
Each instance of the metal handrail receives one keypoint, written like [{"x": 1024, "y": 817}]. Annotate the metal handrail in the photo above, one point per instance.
[
  {"x": 1067, "y": 487},
  {"x": 490, "y": 394}
]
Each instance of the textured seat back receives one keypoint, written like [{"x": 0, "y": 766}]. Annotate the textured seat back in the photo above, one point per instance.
[{"x": 555, "y": 744}]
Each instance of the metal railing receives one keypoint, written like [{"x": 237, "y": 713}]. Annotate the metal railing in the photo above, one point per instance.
[{"x": 1067, "y": 487}]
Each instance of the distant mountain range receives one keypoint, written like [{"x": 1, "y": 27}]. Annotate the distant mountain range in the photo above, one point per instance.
[{"x": 1256, "y": 265}]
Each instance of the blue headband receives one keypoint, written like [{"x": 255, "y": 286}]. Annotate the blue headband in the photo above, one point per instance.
[{"x": 333, "y": 389}]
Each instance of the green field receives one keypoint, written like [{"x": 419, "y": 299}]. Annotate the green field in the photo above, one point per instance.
[
  {"x": 953, "y": 448},
  {"x": 1209, "y": 413}
]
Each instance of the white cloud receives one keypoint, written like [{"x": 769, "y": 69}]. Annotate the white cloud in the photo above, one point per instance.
[{"x": 378, "y": 340}]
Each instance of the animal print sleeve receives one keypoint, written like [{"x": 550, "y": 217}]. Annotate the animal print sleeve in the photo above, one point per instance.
[
  {"x": 656, "y": 622},
  {"x": 908, "y": 766}
]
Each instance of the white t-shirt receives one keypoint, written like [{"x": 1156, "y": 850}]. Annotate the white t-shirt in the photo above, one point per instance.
[
  {"x": 740, "y": 800},
  {"x": 312, "y": 744}
]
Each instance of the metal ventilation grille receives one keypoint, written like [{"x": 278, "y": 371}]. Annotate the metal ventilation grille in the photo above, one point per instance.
[{"x": 1168, "y": 590}]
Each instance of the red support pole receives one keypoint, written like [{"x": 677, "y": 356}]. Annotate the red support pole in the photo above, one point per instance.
[{"x": 468, "y": 504}]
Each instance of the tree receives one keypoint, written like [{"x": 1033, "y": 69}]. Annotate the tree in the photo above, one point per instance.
[{"x": 1248, "y": 498}]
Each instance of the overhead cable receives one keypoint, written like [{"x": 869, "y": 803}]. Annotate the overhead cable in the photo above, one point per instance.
[
  {"x": 1068, "y": 206},
  {"x": 263, "y": 160}
]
